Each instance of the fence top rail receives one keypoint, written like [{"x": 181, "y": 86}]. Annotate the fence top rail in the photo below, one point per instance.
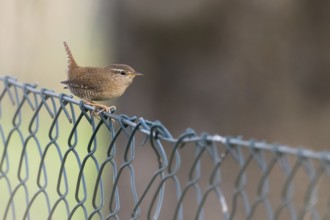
[{"x": 145, "y": 125}]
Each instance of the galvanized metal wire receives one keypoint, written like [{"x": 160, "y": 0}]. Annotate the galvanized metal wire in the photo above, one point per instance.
[{"x": 57, "y": 161}]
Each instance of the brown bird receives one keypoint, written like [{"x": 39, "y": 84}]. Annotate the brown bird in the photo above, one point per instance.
[{"x": 98, "y": 83}]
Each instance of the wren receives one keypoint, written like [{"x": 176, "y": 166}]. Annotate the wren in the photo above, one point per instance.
[{"x": 98, "y": 83}]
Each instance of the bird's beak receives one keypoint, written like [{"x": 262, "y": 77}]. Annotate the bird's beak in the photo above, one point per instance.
[{"x": 138, "y": 74}]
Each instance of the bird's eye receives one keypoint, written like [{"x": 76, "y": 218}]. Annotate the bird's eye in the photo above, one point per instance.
[{"x": 123, "y": 72}]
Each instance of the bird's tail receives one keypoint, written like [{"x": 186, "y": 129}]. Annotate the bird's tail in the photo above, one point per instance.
[{"x": 71, "y": 62}]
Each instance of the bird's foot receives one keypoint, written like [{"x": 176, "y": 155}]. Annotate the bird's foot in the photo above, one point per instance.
[{"x": 99, "y": 108}]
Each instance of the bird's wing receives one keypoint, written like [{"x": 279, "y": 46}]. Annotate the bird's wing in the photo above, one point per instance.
[{"x": 79, "y": 84}]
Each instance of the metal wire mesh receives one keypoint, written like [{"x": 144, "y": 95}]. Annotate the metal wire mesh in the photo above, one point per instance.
[{"x": 58, "y": 162}]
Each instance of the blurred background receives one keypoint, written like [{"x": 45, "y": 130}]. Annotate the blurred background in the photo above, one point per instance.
[{"x": 258, "y": 69}]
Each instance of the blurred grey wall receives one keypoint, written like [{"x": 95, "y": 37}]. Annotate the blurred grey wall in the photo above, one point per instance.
[{"x": 256, "y": 68}]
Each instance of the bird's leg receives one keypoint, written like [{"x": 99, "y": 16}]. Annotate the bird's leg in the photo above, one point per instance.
[{"x": 100, "y": 106}]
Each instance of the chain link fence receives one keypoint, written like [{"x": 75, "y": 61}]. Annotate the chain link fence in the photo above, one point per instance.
[{"x": 58, "y": 162}]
